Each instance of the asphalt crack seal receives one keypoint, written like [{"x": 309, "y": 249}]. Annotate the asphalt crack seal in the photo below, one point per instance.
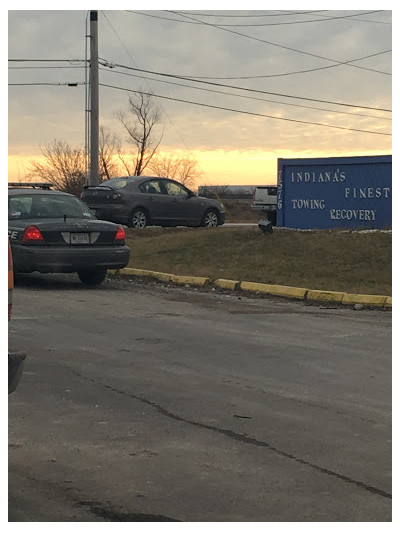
[
  {"x": 117, "y": 516},
  {"x": 241, "y": 438},
  {"x": 97, "y": 508}
]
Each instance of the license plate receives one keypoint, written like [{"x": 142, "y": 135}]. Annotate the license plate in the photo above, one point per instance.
[{"x": 80, "y": 238}]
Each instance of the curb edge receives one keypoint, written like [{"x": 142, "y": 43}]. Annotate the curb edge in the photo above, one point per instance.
[{"x": 299, "y": 293}]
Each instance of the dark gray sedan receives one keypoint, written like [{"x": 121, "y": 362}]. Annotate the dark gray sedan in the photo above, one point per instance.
[
  {"x": 139, "y": 201},
  {"x": 52, "y": 231}
]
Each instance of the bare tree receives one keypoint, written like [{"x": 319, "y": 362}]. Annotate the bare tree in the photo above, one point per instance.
[
  {"x": 109, "y": 147},
  {"x": 63, "y": 166},
  {"x": 140, "y": 127},
  {"x": 183, "y": 169}
]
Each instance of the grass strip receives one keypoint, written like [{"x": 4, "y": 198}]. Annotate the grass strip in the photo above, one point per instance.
[{"x": 355, "y": 262}]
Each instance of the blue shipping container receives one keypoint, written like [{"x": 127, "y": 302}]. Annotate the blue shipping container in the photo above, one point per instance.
[{"x": 335, "y": 192}]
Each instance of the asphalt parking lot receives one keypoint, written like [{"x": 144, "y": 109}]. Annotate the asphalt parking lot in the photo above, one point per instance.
[{"x": 148, "y": 402}]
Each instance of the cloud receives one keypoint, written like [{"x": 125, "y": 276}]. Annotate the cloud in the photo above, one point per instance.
[{"x": 39, "y": 114}]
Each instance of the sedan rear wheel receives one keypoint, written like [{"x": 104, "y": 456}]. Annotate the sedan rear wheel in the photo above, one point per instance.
[
  {"x": 210, "y": 219},
  {"x": 138, "y": 219},
  {"x": 93, "y": 276}
]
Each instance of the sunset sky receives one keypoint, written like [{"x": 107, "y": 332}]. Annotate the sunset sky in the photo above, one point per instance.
[{"x": 276, "y": 74}]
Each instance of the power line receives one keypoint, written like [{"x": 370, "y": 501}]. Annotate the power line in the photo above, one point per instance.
[
  {"x": 245, "y": 112},
  {"x": 72, "y": 84},
  {"x": 130, "y": 56},
  {"x": 45, "y": 67},
  {"x": 363, "y": 20},
  {"x": 326, "y": 19},
  {"x": 221, "y": 77},
  {"x": 278, "y": 45},
  {"x": 285, "y": 13},
  {"x": 293, "y": 72},
  {"x": 69, "y": 84},
  {"x": 48, "y": 60},
  {"x": 243, "y": 88},
  {"x": 244, "y": 96},
  {"x": 198, "y": 80},
  {"x": 298, "y": 71}
]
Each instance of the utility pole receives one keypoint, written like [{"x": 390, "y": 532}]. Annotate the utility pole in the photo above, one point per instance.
[{"x": 94, "y": 100}]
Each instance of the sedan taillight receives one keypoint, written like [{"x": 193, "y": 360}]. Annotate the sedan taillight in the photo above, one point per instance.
[
  {"x": 32, "y": 233},
  {"x": 120, "y": 236}
]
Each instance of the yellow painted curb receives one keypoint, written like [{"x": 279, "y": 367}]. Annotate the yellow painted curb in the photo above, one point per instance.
[
  {"x": 135, "y": 272},
  {"x": 364, "y": 299},
  {"x": 388, "y": 302},
  {"x": 277, "y": 290},
  {"x": 190, "y": 280},
  {"x": 163, "y": 276},
  {"x": 324, "y": 296},
  {"x": 289, "y": 292},
  {"x": 227, "y": 284},
  {"x": 255, "y": 287}
]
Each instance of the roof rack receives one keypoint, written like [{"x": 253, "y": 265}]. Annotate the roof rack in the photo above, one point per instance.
[{"x": 17, "y": 184}]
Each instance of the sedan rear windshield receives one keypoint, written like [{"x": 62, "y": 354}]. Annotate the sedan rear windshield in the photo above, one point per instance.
[
  {"x": 117, "y": 183},
  {"x": 47, "y": 206}
]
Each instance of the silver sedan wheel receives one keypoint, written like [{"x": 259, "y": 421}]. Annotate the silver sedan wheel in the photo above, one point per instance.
[
  {"x": 211, "y": 219},
  {"x": 139, "y": 219}
]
